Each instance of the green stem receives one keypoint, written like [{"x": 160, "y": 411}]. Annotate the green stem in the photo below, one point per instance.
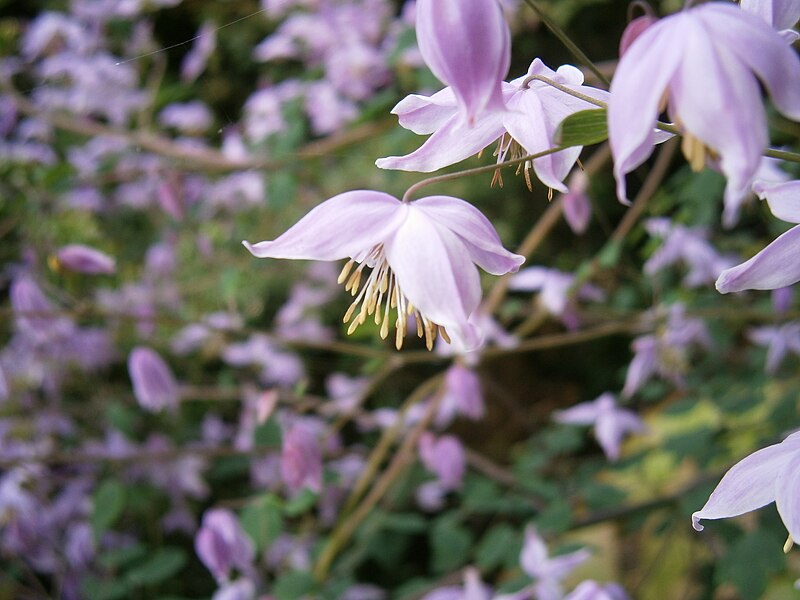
[
  {"x": 476, "y": 171},
  {"x": 568, "y": 43}
]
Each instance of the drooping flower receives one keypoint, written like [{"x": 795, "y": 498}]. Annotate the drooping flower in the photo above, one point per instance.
[
  {"x": 771, "y": 474},
  {"x": 776, "y": 265},
  {"x": 462, "y": 396},
  {"x": 688, "y": 245},
  {"x": 422, "y": 255},
  {"x": 83, "y": 259},
  {"x": 591, "y": 590},
  {"x": 534, "y": 111},
  {"x": 301, "y": 459},
  {"x": 467, "y": 45},
  {"x": 779, "y": 342},
  {"x": 473, "y": 589},
  {"x": 444, "y": 457},
  {"x": 154, "y": 384},
  {"x": 577, "y": 206},
  {"x": 611, "y": 423},
  {"x": 666, "y": 352},
  {"x": 223, "y": 545},
  {"x": 701, "y": 62},
  {"x": 205, "y": 42},
  {"x": 547, "y": 572}
]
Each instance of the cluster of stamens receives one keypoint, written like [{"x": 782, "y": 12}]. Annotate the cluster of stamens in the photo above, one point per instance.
[
  {"x": 510, "y": 149},
  {"x": 380, "y": 295}
]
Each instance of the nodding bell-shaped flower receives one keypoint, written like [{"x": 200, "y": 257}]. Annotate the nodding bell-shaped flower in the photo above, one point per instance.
[
  {"x": 700, "y": 65},
  {"x": 154, "y": 384},
  {"x": 422, "y": 257},
  {"x": 467, "y": 45}
]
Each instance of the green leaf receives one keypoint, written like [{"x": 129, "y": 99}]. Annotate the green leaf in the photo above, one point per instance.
[
  {"x": 294, "y": 585},
  {"x": 118, "y": 557},
  {"x": 582, "y": 128},
  {"x": 162, "y": 564},
  {"x": 94, "y": 588},
  {"x": 302, "y": 502},
  {"x": 262, "y": 520},
  {"x": 499, "y": 544},
  {"x": 450, "y": 544},
  {"x": 749, "y": 561},
  {"x": 107, "y": 505}
]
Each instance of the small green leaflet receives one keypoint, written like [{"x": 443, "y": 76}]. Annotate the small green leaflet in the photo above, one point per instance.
[{"x": 582, "y": 128}]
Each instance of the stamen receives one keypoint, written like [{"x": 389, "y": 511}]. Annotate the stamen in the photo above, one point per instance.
[
  {"x": 379, "y": 295},
  {"x": 788, "y": 545},
  {"x": 345, "y": 271},
  {"x": 443, "y": 333}
]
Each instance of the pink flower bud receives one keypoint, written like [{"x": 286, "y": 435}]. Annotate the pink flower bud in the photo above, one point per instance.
[
  {"x": 301, "y": 460},
  {"x": 154, "y": 384},
  {"x": 83, "y": 259},
  {"x": 634, "y": 29}
]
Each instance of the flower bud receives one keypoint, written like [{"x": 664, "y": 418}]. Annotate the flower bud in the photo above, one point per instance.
[
  {"x": 301, "y": 460},
  {"x": 83, "y": 259},
  {"x": 154, "y": 384},
  {"x": 222, "y": 544}
]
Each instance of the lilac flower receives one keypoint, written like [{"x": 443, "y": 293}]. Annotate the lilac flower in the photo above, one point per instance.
[
  {"x": 301, "y": 459},
  {"x": 782, "y": 299},
  {"x": 443, "y": 457},
  {"x": 778, "y": 340},
  {"x": 577, "y": 206},
  {"x": 696, "y": 59},
  {"x": 611, "y": 423},
  {"x": 775, "y": 266},
  {"x": 554, "y": 291},
  {"x": 462, "y": 396},
  {"x": 591, "y": 590},
  {"x": 83, "y": 259},
  {"x": 467, "y": 45},
  {"x": 154, "y": 384},
  {"x": 278, "y": 367},
  {"x": 771, "y": 474},
  {"x": 473, "y": 589},
  {"x": 35, "y": 314},
  {"x": 547, "y": 572},
  {"x": 241, "y": 589},
  {"x": 422, "y": 254},
  {"x": 534, "y": 111},
  {"x": 780, "y": 14},
  {"x": 665, "y": 353},
  {"x": 222, "y": 545},
  {"x": 688, "y": 245},
  {"x": 195, "y": 61},
  {"x": 187, "y": 117},
  {"x": 327, "y": 109}
]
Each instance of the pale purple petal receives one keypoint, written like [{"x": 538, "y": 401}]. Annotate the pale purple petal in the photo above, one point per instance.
[
  {"x": 346, "y": 225},
  {"x": 84, "y": 259},
  {"x": 559, "y": 566},
  {"x": 533, "y": 557},
  {"x": 436, "y": 273},
  {"x": 783, "y": 198},
  {"x": 451, "y": 143},
  {"x": 637, "y": 90},
  {"x": 301, "y": 459},
  {"x": 749, "y": 484},
  {"x": 634, "y": 29},
  {"x": 780, "y": 14},
  {"x": 425, "y": 114},
  {"x": 533, "y": 123},
  {"x": 776, "y": 64},
  {"x": 714, "y": 111},
  {"x": 475, "y": 231},
  {"x": 585, "y": 413},
  {"x": 467, "y": 45},
  {"x": 776, "y": 266},
  {"x": 222, "y": 545},
  {"x": 787, "y": 492}
]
